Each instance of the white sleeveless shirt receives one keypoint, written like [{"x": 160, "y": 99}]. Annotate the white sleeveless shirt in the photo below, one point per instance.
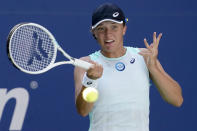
[{"x": 123, "y": 103}]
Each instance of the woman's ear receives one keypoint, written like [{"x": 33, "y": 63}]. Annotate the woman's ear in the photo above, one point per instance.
[
  {"x": 124, "y": 30},
  {"x": 92, "y": 32}
]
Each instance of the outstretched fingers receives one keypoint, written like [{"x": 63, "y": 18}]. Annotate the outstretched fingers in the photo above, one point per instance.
[
  {"x": 156, "y": 39},
  {"x": 146, "y": 44}
]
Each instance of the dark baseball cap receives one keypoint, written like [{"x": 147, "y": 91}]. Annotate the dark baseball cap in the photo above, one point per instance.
[{"x": 107, "y": 12}]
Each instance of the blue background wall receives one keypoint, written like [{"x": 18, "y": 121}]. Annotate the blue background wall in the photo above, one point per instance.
[{"x": 51, "y": 105}]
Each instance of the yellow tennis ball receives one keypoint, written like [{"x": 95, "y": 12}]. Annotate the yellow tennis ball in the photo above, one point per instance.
[{"x": 90, "y": 94}]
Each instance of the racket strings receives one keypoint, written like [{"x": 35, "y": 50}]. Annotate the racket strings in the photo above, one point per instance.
[{"x": 32, "y": 48}]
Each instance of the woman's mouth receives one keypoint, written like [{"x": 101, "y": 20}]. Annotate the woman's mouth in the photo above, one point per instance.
[{"x": 109, "y": 42}]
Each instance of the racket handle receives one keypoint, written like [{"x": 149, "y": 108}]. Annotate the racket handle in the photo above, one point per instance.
[{"x": 83, "y": 64}]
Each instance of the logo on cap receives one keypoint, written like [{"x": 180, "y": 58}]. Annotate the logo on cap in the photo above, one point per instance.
[{"x": 116, "y": 14}]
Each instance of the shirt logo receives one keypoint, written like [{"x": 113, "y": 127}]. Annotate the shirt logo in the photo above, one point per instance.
[
  {"x": 120, "y": 66},
  {"x": 116, "y": 14},
  {"x": 132, "y": 60}
]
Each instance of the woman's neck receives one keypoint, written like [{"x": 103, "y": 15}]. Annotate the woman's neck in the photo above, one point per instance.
[{"x": 115, "y": 54}]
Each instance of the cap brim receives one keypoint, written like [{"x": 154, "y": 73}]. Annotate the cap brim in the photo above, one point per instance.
[{"x": 94, "y": 26}]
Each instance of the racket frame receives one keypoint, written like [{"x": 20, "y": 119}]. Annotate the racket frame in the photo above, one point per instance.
[{"x": 74, "y": 61}]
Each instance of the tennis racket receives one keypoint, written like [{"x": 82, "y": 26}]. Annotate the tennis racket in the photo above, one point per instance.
[{"x": 33, "y": 49}]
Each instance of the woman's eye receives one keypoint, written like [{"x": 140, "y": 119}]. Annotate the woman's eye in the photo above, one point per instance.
[
  {"x": 100, "y": 29},
  {"x": 114, "y": 27}
]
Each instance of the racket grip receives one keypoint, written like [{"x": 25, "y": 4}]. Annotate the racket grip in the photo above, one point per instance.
[{"x": 83, "y": 64}]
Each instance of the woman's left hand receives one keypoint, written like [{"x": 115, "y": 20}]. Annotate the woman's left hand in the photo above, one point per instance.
[{"x": 150, "y": 53}]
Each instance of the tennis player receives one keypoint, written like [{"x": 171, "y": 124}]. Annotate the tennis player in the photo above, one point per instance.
[{"x": 122, "y": 76}]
